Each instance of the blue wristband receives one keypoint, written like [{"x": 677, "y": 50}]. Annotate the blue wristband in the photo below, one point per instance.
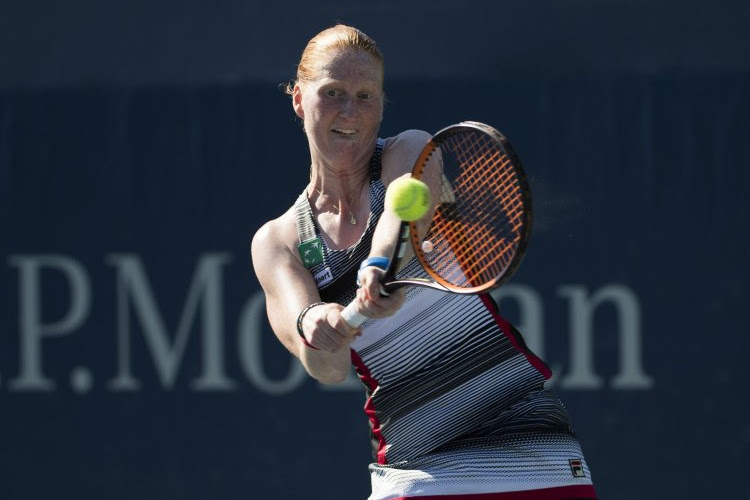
[{"x": 379, "y": 262}]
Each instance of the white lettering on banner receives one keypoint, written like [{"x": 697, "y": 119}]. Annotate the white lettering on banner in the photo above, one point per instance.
[
  {"x": 582, "y": 308},
  {"x": 31, "y": 327},
  {"x": 206, "y": 290},
  {"x": 203, "y": 312},
  {"x": 531, "y": 313}
]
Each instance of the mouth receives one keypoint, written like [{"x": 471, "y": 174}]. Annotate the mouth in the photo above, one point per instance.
[{"x": 345, "y": 132}]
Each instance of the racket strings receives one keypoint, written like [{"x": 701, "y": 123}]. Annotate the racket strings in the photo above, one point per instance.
[{"x": 476, "y": 233}]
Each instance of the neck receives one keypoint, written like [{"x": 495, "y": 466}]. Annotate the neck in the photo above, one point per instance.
[{"x": 334, "y": 198}]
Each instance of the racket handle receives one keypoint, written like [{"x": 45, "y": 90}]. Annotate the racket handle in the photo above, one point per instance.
[{"x": 352, "y": 316}]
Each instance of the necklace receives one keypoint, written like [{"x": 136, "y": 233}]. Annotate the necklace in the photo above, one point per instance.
[{"x": 352, "y": 219}]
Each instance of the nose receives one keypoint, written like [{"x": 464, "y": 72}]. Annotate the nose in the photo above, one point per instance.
[{"x": 348, "y": 107}]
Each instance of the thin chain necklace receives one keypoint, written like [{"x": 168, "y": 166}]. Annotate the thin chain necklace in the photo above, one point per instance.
[{"x": 352, "y": 219}]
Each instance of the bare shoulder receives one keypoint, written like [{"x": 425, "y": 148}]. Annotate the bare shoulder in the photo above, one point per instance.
[
  {"x": 401, "y": 151},
  {"x": 273, "y": 240}
]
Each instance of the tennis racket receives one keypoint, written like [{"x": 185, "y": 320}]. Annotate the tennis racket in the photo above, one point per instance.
[{"x": 480, "y": 224}]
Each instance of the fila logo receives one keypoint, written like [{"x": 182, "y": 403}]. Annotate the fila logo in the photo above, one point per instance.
[{"x": 576, "y": 466}]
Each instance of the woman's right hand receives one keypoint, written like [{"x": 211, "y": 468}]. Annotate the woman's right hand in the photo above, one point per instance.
[{"x": 325, "y": 329}]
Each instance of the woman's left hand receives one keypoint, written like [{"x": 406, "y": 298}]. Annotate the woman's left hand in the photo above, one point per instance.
[{"x": 370, "y": 300}]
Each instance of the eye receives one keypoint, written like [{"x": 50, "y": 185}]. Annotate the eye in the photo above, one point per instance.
[{"x": 331, "y": 93}]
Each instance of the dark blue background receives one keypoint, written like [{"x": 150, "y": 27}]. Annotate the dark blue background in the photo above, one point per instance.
[{"x": 158, "y": 129}]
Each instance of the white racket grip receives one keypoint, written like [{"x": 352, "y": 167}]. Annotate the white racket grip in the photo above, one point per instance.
[{"x": 351, "y": 315}]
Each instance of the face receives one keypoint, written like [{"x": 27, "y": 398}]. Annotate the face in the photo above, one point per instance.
[{"x": 342, "y": 109}]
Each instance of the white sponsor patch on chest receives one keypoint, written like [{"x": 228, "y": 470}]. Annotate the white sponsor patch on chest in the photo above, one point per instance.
[{"x": 323, "y": 277}]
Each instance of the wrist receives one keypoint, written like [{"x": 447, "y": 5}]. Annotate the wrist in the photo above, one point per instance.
[
  {"x": 300, "y": 318},
  {"x": 381, "y": 263}
]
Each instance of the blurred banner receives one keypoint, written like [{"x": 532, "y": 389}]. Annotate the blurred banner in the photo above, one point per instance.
[{"x": 136, "y": 361}]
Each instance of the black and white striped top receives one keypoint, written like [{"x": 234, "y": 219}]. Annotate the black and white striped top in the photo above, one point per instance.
[{"x": 445, "y": 371}]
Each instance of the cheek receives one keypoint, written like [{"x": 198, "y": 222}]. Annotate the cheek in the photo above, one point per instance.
[
  {"x": 317, "y": 108},
  {"x": 375, "y": 112}
]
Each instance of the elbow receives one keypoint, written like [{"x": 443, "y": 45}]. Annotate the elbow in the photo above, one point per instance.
[
  {"x": 327, "y": 368},
  {"x": 328, "y": 374},
  {"x": 330, "y": 377}
]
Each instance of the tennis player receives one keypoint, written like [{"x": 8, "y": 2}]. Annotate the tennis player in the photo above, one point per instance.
[{"x": 456, "y": 401}]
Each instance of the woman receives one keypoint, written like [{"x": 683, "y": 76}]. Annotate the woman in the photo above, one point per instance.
[{"x": 456, "y": 401}]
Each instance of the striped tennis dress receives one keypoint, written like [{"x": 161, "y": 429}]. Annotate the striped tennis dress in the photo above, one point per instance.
[{"x": 455, "y": 400}]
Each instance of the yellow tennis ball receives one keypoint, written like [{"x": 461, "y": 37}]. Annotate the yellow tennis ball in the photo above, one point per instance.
[{"x": 408, "y": 197}]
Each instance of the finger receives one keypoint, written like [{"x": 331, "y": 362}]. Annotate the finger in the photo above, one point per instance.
[
  {"x": 350, "y": 332},
  {"x": 364, "y": 289},
  {"x": 328, "y": 343},
  {"x": 336, "y": 333},
  {"x": 323, "y": 337},
  {"x": 370, "y": 282}
]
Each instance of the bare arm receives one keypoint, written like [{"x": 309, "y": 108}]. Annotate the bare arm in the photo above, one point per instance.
[
  {"x": 289, "y": 288},
  {"x": 398, "y": 160}
]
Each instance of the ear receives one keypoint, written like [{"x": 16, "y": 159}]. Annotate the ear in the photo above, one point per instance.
[{"x": 297, "y": 101}]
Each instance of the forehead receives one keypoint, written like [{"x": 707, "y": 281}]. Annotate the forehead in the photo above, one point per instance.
[{"x": 350, "y": 64}]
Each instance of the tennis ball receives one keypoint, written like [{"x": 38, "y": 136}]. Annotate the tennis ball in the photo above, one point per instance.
[{"x": 408, "y": 197}]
